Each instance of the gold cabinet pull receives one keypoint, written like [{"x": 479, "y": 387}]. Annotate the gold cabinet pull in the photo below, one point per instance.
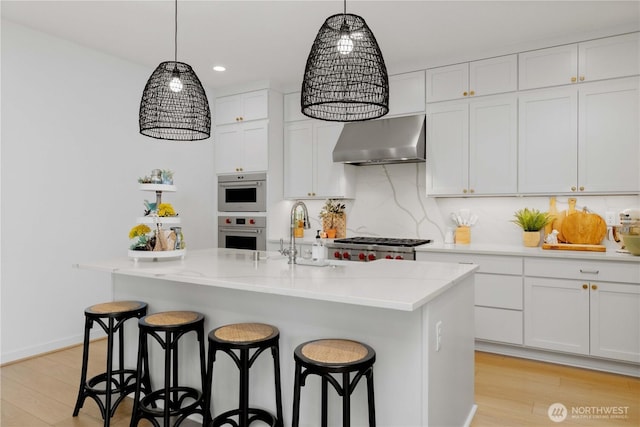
[
  {"x": 464, "y": 93},
  {"x": 581, "y": 78},
  {"x": 594, "y": 287},
  {"x": 471, "y": 93},
  {"x": 471, "y": 191},
  {"x": 464, "y": 191},
  {"x": 585, "y": 286},
  {"x": 581, "y": 188},
  {"x": 573, "y": 79},
  {"x": 573, "y": 188}
]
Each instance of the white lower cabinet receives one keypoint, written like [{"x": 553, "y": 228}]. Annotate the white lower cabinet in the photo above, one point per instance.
[
  {"x": 556, "y": 315},
  {"x": 592, "y": 309},
  {"x": 615, "y": 321},
  {"x": 580, "y": 307},
  {"x": 498, "y": 294}
]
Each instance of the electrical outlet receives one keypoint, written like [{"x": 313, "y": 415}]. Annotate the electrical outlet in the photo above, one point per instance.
[
  {"x": 610, "y": 218},
  {"x": 438, "y": 335}
]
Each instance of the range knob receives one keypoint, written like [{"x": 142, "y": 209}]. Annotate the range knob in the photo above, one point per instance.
[
  {"x": 361, "y": 256},
  {"x": 388, "y": 257},
  {"x": 252, "y": 221},
  {"x": 336, "y": 254},
  {"x": 227, "y": 221},
  {"x": 346, "y": 255},
  {"x": 399, "y": 257},
  {"x": 372, "y": 257}
]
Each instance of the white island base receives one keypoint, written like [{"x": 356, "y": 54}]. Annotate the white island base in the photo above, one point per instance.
[{"x": 397, "y": 307}]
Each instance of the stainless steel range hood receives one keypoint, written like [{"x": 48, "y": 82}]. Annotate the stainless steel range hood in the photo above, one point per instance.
[{"x": 374, "y": 142}]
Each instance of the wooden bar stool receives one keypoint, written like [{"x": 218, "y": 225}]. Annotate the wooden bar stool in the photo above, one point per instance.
[
  {"x": 173, "y": 399},
  {"x": 334, "y": 356},
  {"x": 111, "y": 317},
  {"x": 244, "y": 337}
]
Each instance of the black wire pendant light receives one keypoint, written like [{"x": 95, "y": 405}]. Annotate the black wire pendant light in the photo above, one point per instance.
[
  {"x": 174, "y": 104},
  {"x": 345, "y": 78}
]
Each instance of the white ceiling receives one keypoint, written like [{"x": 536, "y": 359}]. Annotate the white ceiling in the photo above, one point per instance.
[{"x": 270, "y": 40}]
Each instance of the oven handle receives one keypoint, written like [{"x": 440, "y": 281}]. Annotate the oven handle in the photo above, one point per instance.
[
  {"x": 236, "y": 231},
  {"x": 240, "y": 184}
]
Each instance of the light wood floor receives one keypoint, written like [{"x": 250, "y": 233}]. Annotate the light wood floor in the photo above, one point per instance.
[{"x": 509, "y": 392}]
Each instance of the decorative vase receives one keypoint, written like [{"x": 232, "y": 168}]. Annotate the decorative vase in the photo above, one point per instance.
[
  {"x": 331, "y": 233},
  {"x": 531, "y": 239}
]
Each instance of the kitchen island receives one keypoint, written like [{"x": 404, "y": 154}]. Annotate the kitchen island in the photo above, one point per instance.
[{"x": 418, "y": 316}]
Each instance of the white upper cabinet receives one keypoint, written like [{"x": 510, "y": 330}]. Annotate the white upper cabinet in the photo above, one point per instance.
[
  {"x": 448, "y": 148},
  {"x": 450, "y": 82},
  {"x": 242, "y": 147},
  {"x": 494, "y": 75},
  {"x": 609, "y": 136},
  {"x": 548, "y": 144},
  {"x": 554, "y": 66},
  {"x": 583, "y": 139},
  {"x": 309, "y": 170},
  {"x": 242, "y": 107},
  {"x": 406, "y": 94},
  {"x": 599, "y": 59},
  {"x": 609, "y": 58},
  {"x": 478, "y": 78},
  {"x": 472, "y": 146}
]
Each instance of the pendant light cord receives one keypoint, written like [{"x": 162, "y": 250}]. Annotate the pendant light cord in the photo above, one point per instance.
[
  {"x": 175, "y": 35},
  {"x": 345, "y": 8}
]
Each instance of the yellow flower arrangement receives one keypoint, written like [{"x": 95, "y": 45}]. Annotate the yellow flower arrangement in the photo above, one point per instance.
[
  {"x": 165, "y": 209},
  {"x": 139, "y": 230}
]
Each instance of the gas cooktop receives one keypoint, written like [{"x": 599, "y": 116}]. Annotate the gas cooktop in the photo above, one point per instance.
[{"x": 382, "y": 241}]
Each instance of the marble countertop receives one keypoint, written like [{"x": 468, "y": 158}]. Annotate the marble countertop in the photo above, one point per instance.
[
  {"x": 390, "y": 284},
  {"x": 520, "y": 250}
]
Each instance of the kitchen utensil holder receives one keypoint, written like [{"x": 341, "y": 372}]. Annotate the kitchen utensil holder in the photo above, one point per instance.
[{"x": 463, "y": 235}]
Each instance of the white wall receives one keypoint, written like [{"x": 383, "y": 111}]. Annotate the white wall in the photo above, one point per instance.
[{"x": 70, "y": 158}]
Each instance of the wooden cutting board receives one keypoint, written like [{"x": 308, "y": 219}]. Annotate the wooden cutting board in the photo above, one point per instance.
[
  {"x": 584, "y": 228},
  {"x": 562, "y": 215},
  {"x": 570, "y": 247}
]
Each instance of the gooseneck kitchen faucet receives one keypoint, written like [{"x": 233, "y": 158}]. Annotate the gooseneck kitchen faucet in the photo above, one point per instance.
[{"x": 291, "y": 251}]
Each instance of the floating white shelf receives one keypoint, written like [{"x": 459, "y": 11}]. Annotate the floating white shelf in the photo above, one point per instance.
[
  {"x": 158, "y": 220},
  {"x": 155, "y": 255},
  {"x": 157, "y": 187}
]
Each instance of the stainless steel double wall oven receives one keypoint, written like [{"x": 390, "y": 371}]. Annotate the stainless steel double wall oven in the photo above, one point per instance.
[{"x": 242, "y": 207}]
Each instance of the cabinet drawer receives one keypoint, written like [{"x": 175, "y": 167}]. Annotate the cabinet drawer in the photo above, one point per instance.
[
  {"x": 495, "y": 324},
  {"x": 583, "y": 270},
  {"x": 499, "y": 291},
  {"x": 487, "y": 263}
]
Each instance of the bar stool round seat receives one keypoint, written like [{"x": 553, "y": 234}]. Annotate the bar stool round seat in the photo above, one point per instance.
[
  {"x": 243, "y": 338},
  {"x": 173, "y": 400},
  {"x": 118, "y": 383},
  {"x": 326, "y": 357}
]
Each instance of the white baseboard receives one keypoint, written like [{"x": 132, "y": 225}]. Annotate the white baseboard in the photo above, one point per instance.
[
  {"x": 37, "y": 350},
  {"x": 594, "y": 363}
]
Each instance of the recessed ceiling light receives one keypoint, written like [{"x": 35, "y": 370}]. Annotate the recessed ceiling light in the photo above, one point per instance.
[{"x": 219, "y": 68}]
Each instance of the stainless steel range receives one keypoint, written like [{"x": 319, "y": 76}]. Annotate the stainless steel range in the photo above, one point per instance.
[{"x": 372, "y": 248}]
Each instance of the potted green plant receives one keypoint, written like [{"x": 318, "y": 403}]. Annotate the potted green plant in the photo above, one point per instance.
[
  {"x": 532, "y": 221},
  {"x": 333, "y": 217}
]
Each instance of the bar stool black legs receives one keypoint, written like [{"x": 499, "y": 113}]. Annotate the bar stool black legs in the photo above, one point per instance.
[
  {"x": 334, "y": 356},
  {"x": 244, "y": 337},
  {"x": 116, "y": 383},
  {"x": 172, "y": 400}
]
